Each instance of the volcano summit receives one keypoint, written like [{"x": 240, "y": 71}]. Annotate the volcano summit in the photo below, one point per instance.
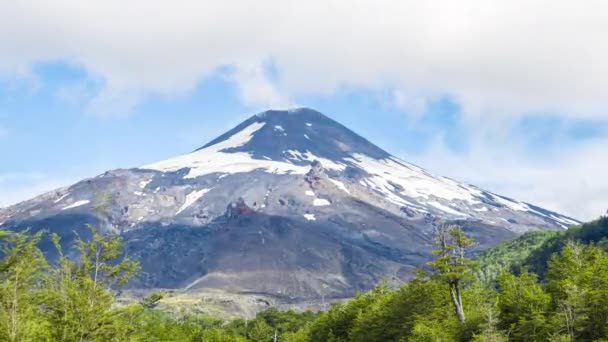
[{"x": 288, "y": 203}]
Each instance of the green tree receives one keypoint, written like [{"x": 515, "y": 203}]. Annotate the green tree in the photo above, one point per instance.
[
  {"x": 301, "y": 335},
  {"x": 524, "y": 307},
  {"x": 152, "y": 299},
  {"x": 336, "y": 324},
  {"x": 21, "y": 272},
  {"x": 490, "y": 332},
  {"x": 510, "y": 255},
  {"x": 260, "y": 331},
  {"x": 452, "y": 266},
  {"x": 394, "y": 315},
  {"x": 577, "y": 279},
  {"x": 80, "y": 302}
]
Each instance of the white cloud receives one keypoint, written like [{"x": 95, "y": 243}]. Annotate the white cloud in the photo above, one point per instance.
[
  {"x": 256, "y": 89},
  {"x": 503, "y": 57}
]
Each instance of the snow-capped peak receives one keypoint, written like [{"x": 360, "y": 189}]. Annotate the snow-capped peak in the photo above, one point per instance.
[
  {"x": 292, "y": 182},
  {"x": 262, "y": 143},
  {"x": 215, "y": 159}
]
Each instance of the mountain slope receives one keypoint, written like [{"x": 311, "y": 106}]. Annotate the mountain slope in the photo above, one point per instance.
[
  {"x": 533, "y": 250},
  {"x": 288, "y": 203},
  {"x": 511, "y": 255}
]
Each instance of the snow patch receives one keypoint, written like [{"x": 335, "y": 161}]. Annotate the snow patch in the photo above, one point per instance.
[
  {"x": 139, "y": 193},
  {"x": 386, "y": 189},
  {"x": 395, "y": 178},
  {"x": 521, "y": 206},
  {"x": 563, "y": 220},
  {"x": 279, "y": 128},
  {"x": 76, "y": 204},
  {"x": 213, "y": 160},
  {"x": 306, "y": 136},
  {"x": 414, "y": 181},
  {"x": 445, "y": 208},
  {"x": 310, "y": 193},
  {"x": 310, "y": 217},
  {"x": 308, "y": 156},
  {"x": 308, "y": 124},
  {"x": 511, "y": 204},
  {"x": 191, "y": 198},
  {"x": 143, "y": 183},
  {"x": 62, "y": 197},
  {"x": 320, "y": 202},
  {"x": 340, "y": 185}
]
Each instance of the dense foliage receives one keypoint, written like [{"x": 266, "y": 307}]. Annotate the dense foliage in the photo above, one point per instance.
[
  {"x": 595, "y": 232},
  {"x": 73, "y": 300},
  {"x": 532, "y": 250},
  {"x": 510, "y": 255}
]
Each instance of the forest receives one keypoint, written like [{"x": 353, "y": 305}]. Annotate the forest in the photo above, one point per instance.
[{"x": 541, "y": 286}]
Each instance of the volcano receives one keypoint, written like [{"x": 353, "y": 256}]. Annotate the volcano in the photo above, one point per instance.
[{"x": 290, "y": 204}]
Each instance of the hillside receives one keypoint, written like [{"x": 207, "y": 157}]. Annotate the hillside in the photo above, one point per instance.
[
  {"x": 594, "y": 232},
  {"x": 511, "y": 255},
  {"x": 533, "y": 250}
]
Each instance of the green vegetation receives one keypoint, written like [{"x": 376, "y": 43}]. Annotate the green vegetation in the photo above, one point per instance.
[
  {"x": 74, "y": 300},
  {"x": 510, "y": 255},
  {"x": 451, "y": 266},
  {"x": 531, "y": 251},
  {"x": 595, "y": 232}
]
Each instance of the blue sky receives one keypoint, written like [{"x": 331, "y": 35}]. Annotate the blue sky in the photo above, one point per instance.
[
  {"x": 460, "y": 93},
  {"x": 44, "y": 133}
]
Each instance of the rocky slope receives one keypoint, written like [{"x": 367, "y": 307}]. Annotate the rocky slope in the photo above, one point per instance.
[{"x": 288, "y": 203}]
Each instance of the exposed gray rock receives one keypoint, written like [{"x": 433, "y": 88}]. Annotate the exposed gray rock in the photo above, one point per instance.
[{"x": 288, "y": 204}]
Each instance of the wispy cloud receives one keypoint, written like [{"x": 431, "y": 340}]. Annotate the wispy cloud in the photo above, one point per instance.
[
  {"x": 257, "y": 89},
  {"x": 503, "y": 58}
]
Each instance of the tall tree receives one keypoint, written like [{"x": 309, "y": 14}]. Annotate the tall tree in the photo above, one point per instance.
[
  {"x": 79, "y": 293},
  {"x": 452, "y": 266},
  {"x": 577, "y": 280},
  {"x": 21, "y": 272},
  {"x": 524, "y": 307}
]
